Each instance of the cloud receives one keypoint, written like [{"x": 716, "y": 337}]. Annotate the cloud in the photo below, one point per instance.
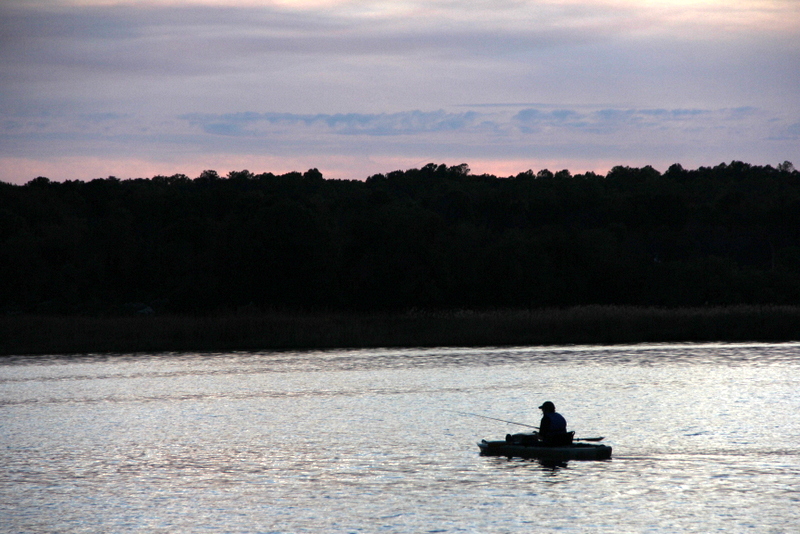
[
  {"x": 169, "y": 38},
  {"x": 511, "y": 80},
  {"x": 382, "y": 124},
  {"x": 502, "y": 131},
  {"x": 196, "y": 40},
  {"x": 503, "y": 121},
  {"x": 654, "y": 122},
  {"x": 487, "y": 132}
]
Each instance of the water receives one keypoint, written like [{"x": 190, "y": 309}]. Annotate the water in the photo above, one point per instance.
[{"x": 705, "y": 439}]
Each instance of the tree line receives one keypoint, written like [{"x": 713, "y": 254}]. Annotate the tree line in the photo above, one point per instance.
[{"x": 437, "y": 237}]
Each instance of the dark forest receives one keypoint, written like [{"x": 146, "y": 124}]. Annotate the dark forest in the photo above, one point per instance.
[{"x": 435, "y": 238}]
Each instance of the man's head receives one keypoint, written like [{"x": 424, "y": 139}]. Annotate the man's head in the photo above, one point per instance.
[{"x": 548, "y": 407}]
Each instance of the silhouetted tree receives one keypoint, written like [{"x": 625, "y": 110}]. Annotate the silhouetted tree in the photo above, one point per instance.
[{"x": 433, "y": 237}]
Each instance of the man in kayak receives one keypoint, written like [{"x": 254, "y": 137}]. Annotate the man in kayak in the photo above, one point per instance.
[
  {"x": 552, "y": 430},
  {"x": 553, "y": 426}
]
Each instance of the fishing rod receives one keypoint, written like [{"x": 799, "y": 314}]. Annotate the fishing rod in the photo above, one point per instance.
[
  {"x": 494, "y": 419},
  {"x": 515, "y": 423}
]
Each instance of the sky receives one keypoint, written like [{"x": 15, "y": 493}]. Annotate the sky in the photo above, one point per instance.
[{"x": 95, "y": 88}]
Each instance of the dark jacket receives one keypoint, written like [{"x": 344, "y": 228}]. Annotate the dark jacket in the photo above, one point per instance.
[{"x": 552, "y": 424}]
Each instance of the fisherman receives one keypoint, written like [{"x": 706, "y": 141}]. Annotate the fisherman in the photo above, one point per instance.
[
  {"x": 552, "y": 430},
  {"x": 553, "y": 426}
]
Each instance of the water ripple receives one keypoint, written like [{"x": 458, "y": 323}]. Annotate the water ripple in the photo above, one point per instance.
[{"x": 704, "y": 439}]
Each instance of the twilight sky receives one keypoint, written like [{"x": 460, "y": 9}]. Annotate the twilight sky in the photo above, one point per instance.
[{"x": 92, "y": 88}]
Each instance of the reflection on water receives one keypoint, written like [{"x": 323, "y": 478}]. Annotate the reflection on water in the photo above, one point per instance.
[{"x": 705, "y": 438}]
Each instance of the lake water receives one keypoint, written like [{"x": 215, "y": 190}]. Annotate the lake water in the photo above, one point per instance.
[{"x": 706, "y": 438}]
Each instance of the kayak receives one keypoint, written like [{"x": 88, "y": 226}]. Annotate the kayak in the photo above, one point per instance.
[{"x": 575, "y": 451}]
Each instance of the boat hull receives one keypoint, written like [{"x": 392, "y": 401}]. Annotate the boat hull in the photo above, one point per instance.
[{"x": 576, "y": 451}]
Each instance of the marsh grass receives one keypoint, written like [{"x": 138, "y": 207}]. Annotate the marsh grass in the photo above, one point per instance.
[{"x": 274, "y": 331}]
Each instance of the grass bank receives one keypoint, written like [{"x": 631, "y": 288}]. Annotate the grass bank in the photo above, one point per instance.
[{"x": 271, "y": 331}]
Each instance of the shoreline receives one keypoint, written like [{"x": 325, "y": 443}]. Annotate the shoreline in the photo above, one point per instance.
[{"x": 588, "y": 325}]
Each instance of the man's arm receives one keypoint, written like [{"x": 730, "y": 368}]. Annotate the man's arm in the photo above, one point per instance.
[{"x": 544, "y": 426}]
